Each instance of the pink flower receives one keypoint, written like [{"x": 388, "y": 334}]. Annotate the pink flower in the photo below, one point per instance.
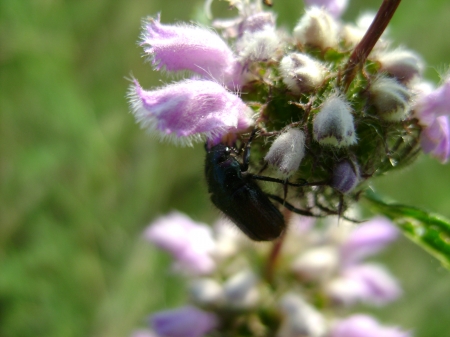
[
  {"x": 189, "y": 47},
  {"x": 189, "y": 242},
  {"x": 368, "y": 239},
  {"x": 334, "y": 7},
  {"x": 190, "y": 110},
  {"x": 368, "y": 283},
  {"x": 435, "y": 139},
  {"x": 187, "y": 321},
  {"x": 433, "y": 111},
  {"x": 364, "y": 326},
  {"x": 436, "y": 102}
]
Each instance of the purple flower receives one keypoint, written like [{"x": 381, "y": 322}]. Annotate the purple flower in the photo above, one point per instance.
[
  {"x": 364, "y": 326},
  {"x": 191, "y": 243},
  {"x": 187, "y": 321},
  {"x": 190, "y": 110},
  {"x": 436, "y": 102},
  {"x": 435, "y": 139},
  {"x": 334, "y": 7},
  {"x": 368, "y": 239},
  {"x": 189, "y": 47},
  {"x": 433, "y": 111},
  {"x": 364, "y": 283}
]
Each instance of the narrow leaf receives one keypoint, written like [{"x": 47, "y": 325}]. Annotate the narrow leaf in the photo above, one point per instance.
[{"x": 428, "y": 230}]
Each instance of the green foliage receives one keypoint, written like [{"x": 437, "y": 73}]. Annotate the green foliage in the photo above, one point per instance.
[
  {"x": 430, "y": 231},
  {"x": 79, "y": 180}
]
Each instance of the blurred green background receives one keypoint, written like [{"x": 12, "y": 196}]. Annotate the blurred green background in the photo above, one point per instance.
[{"x": 80, "y": 180}]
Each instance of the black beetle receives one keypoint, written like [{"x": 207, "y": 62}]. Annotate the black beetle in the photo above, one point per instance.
[{"x": 234, "y": 191}]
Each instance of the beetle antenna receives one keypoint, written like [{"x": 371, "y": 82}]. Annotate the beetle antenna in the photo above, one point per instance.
[{"x": 246, "y": 155}]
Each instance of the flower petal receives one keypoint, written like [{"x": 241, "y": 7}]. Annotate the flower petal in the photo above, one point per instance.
[
  {"x": 368, "y": 239},
  {"x": 364, "y": 326},
  {"x": 189, "y": 47},
  {"x": 189, "y": 242},
  {"x": 187, "y": 321},
  {"x": 190, "y": 110}
]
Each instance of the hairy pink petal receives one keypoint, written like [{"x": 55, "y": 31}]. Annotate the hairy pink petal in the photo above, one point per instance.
[
  {"x": 189, "y": 242},
  {"x": 189, "y": 47},
  {"x": 435, "y": 139},
  {"x": 190, "y": 110}
]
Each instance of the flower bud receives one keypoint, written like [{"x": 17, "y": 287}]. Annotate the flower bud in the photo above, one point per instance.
[
  {"x": 256, "y": 22},
  {"x": 317, "y": 263},
  {"x": 390, "y": 98},
  {"x": 333, "y": 125},
  {"x": 261, "y": 45},
  {"x": 287, "y": 151},
  {"x": 206, "y": 291},
  {"x": 240, "y": 289},
  {"x": 334, "y": 7},
  {"x": 345, "y": 176},
  {"x": 317, "y": 28},
  {"x": 301, "y": 319},
  {"x": 301, "y": 73},
  {"x": 402, "y": 64}
]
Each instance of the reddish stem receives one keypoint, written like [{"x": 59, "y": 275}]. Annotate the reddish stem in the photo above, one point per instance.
[{"x": 365, "y": 46}]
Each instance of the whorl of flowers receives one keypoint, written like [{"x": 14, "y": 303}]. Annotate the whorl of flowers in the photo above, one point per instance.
[
  {"x": 266, "y": 80},
  {"x": 321, "y": 272}
]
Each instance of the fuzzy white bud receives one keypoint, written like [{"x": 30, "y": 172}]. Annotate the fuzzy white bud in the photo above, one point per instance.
[
  {"x": 333, "y": 125},
  {"x": 317, "y": 28},
  {"x": 301, "y": 319},
  {"x": 241, "y": 289},
  {"x": 206, "y": 291},
  {"x": 261, "y": 45},
  {"x": 402, "y": 64},
  {"x": 287, "y": 152},
  {"x": 317, "y": 263},
  {"x": 390, "y": 98},
  {"x": 301, "y": 73}
]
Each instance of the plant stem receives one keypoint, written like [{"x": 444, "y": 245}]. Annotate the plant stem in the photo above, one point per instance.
[{"x": 365, "y": 46}]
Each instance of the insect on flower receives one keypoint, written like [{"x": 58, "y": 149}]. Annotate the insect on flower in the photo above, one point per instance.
[{"x": 235, "y": 192}]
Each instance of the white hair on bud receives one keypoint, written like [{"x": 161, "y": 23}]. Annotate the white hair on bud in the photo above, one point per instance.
[
  {"x": 301, "y": 73},
  {"x": 390, "y": 98},
  {"x": 261, "y": 45},
  {"x": 400, "y": 63},
  {"x": 317, "y": 28},
  {"x": 333, "y": 125},
  {"x": 287, "y": 152}
]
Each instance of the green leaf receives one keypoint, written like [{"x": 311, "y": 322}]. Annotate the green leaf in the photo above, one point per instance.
[{"x": 428, "y": 230}]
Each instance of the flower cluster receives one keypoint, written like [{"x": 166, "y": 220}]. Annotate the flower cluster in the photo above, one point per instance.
[
  {"x": 320, "y": 271},
  {"x": 318, "y": 130},
  {"x": 311, "y": 126}
]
